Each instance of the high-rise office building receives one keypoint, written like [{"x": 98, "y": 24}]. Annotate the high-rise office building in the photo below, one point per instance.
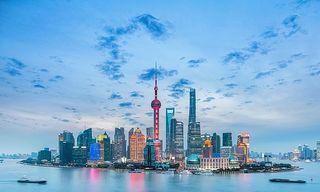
[
  {"x": 129, "y": 136},
  {"x": 194, "y": 134},
  {"x": 66, "y": 143},
  {"x": 150, "y": 132},
  {"x": 155, "y": 105},
  {"x": 216, "y": 145},
  {"x": 169, "y": 116},
  {"x": 95, "y": 152},
  {"x": 318, "y": 151},
  {"x": 149, "y": 153},
  {"x": 176, "y": 144},
  {"x": 44, "y": 154},
  {"x": 137, "y": 143},
  {"x": 119, "y": 144},
  {"x": 85, "y": 139},
  {"x": 79, "y": 155},
  {"x": 104, "y": 147},
  {"x": 227, "y": 139}
]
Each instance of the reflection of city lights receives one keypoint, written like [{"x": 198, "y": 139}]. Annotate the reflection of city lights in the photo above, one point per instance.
[
  {"x": 94, "y": 175},
  {"x": 136, "y": 181}
]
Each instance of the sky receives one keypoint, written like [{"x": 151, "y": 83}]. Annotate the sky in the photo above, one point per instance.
[{"x": 70, "y": 65}]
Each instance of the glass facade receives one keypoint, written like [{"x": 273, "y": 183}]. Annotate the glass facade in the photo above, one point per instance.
[
  {"x": 94, "y": 152},
  {"x": 169, "y": 116}
]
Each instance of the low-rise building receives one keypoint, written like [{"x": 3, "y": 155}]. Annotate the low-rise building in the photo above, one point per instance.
[{"x": 214, "y": 163}]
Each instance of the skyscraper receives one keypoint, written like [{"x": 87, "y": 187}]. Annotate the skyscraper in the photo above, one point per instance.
[
  {"x": 105, "y": 147},
  {"x": 177, "y": 140},
  {"x": 216, "y": 145},
  {"x": 169, "y": 116},
  {"x": 129, "y": 136},
  {"x": 207, "y": 149},
  {"x": 194, "y": 133},
  {"x": 150, "y": 132},
  {"x": 119, "y": 143},
  {"x": 66, "y": 143},
  {"x": 149, "y": 153},
  {"x": 243, "y": 147},
  {"x": 155, "y": 105},
  {"x": 137, "y": 143},
  {"x": 227, "y": 139},
  {"x": 85, "y": 139}
]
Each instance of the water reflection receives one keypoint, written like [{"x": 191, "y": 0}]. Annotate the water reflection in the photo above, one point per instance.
[{"x": 136, "y": 182}]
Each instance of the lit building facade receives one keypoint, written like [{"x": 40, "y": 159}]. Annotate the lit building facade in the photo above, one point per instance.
[
  {"x": 150, "y": 132},
  {"x": 207, "y": 149},
  {"x": 131, "y": 131},
  {"x": 95, "y": 152},
  {"x": 243, "y": 147},
  {"x": 176, "y": 143},
  {"x": 225, "y": 151},
  {"x": 214, "y": 163},
  {"x": 137, "y": 144},
  {"x": 169, "y": 137}
]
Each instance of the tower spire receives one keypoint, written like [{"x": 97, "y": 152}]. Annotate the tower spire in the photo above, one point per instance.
[{"x": 156, "y": 81}]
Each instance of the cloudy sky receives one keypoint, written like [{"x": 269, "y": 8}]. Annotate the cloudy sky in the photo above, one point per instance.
[{"x": 68, "y": 65}]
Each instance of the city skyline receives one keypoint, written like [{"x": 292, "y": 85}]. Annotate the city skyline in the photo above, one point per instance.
[{"x": 61, "y": 69}]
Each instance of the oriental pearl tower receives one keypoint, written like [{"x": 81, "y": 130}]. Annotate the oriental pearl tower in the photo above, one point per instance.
[{"x": 155, "y": 105}]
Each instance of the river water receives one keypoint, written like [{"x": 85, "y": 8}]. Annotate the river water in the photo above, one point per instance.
[{"x": 96, "y": 180}]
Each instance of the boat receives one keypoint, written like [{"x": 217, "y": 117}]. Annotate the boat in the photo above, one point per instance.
[
  {"x": 286, "y": 181},
  {"x": 134, "y": 171},
  {"x": 25, "y": 180}
]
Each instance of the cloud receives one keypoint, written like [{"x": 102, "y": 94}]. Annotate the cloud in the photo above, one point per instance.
[
  {"x": 56, "y": 78},
  {"x": 237, "y": 57},
  {"x": 149, "y": 74},
  {"x": 128, "y": 114},
  {"x": 196, "y": 62},
  {"x": 291, "y": 25},
  {"x": 71, "y": 109},
  {"x": 39, "y": 86},
  {"x": 11, "y": 66},
  {"x": 113, "y": 42},
  {"x": 270, "y": 32},
  {"x": 229, "y": 94},
  {"x": 115, "y": 96},
  {"x": 56, "y": 59},
  {"x": 126, "y": 104},
  {"x": 178, "y": 89},
  {"x": 229, "y": 77},
  {"x": 264, "y": 74},
  {"x": 208, "y": 99},
  {"x": 248, "y": 102},
  {"x": 257, "y": 47},
  {"x": 231, "y": 85},
  {"x": 136, "y": 94}
]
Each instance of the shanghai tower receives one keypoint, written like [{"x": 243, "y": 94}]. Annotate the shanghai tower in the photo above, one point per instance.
[
  {"x": 155, "y": 105},
  {"x": 194, "y": 133}
]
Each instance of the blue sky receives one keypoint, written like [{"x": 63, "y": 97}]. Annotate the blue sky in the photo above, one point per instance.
[{"x": 68, "y": 65}]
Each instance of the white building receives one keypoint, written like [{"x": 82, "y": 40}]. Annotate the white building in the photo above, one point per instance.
[
  {"x": 225, "y": 151},
  {"x": 214, "y": 163}
]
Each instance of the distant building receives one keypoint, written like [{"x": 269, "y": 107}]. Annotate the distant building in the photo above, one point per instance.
[
  {"x": 318, "y": 151},
  {"x": 95, "y": 152},
  {"x": 194, "y": 141},
  {"x": 207, "y": 149},
  {"x": 44, "y": 155},
  {"x": 149, "y": 153},
  {"x": 66, "y": 143},
  {"x": 225, "y": 151},
  {"x": 216, "y": 145},
  {"x": 150, "y": 132},
  {"x": 137, "y": 143},
  {"x": 267, "y": 157},
  {"x": 227, "y": 139},
  {"x": 79, "y": 155},
  {"x": 119, "y": 144},
  {"x": 214, "y": 163},
  {"x": 131, "y": 131},
  {"x": 169, "y": 138}
]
